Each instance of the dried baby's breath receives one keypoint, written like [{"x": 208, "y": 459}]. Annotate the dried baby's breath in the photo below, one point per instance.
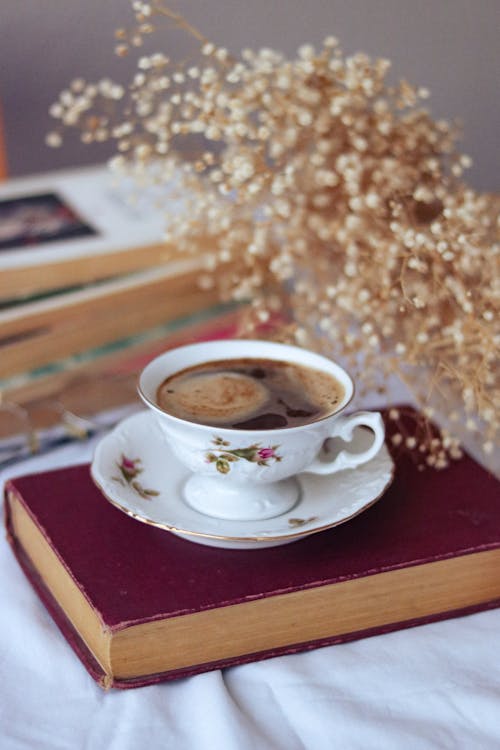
[{"x": 329, "y": 195}]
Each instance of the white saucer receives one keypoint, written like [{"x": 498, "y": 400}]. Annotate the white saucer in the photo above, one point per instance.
[{"x": 136, "y": 471}]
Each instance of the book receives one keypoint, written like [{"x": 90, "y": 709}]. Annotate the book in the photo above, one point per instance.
[
  {"x": 122, "y": 358},
  {"x": 73, "y": 227},
  {"x": 77, "y": 397},
  {"x": 139, "y": 605},
  {"x": 38, "y": 333}
]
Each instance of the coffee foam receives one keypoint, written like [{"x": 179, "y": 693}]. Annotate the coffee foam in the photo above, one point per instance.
[
  {"x": 321, "y": 387},
  {"x": 251, "y": 393},
  {"x": 213, "y": 396}
]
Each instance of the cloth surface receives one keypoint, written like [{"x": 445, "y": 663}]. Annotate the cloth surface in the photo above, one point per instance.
[{"x": 433, "y": 686}]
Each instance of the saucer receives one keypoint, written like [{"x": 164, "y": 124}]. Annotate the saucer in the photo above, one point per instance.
[{"x": 137, "y": 472}]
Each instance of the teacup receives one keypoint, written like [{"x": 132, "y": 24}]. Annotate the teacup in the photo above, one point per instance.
[{"x": 260, "y": 481}]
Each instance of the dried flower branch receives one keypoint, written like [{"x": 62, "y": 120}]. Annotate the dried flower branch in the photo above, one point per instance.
[{"x": 334, "y": 195}]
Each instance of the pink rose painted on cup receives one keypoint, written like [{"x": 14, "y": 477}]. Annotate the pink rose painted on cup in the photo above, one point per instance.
[
  {"x": 223, "y": 455},
  {"x": 265, "y": 453}
]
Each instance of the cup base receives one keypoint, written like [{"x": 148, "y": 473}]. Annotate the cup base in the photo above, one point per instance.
[{"x": 245, "y": 502}]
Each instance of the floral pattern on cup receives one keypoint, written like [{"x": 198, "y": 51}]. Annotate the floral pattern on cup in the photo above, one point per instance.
[
  {"x": 130, "y": 468},
  {"x": 223, "y": 456}
]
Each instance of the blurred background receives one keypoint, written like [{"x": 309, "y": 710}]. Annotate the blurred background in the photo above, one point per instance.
[{"x": 448, "y": 46}]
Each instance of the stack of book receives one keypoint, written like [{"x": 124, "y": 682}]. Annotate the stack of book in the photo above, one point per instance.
[{"x": 86, "y": 285}]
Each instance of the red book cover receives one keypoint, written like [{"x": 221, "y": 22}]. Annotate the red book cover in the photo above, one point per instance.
[{"x": 132, "y": 573}]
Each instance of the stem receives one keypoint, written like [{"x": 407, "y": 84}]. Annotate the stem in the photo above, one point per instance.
[{"x": 180, "y": 21}]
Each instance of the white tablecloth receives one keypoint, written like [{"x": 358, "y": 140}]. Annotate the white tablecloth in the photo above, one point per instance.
[{"x": 434, "y": 686}]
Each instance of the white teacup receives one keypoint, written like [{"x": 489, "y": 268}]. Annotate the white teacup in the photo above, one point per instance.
[{"x": 259, "y": 481}]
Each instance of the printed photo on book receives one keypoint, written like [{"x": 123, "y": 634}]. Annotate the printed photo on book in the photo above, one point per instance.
[{"x": 37, "y": 219}]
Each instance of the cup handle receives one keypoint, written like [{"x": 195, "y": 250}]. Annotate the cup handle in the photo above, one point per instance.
[{"x": 343, "y": 427}]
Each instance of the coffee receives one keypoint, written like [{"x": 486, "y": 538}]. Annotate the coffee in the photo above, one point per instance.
[{"x": 250, "y": 394}]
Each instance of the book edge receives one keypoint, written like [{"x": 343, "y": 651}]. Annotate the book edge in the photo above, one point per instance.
[
  {"x": 296, "y": 648},
  {"x": 58, "y": 615}
]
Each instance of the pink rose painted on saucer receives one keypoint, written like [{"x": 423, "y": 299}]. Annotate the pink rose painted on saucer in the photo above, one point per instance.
[{"x": 130, "y": 468}]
